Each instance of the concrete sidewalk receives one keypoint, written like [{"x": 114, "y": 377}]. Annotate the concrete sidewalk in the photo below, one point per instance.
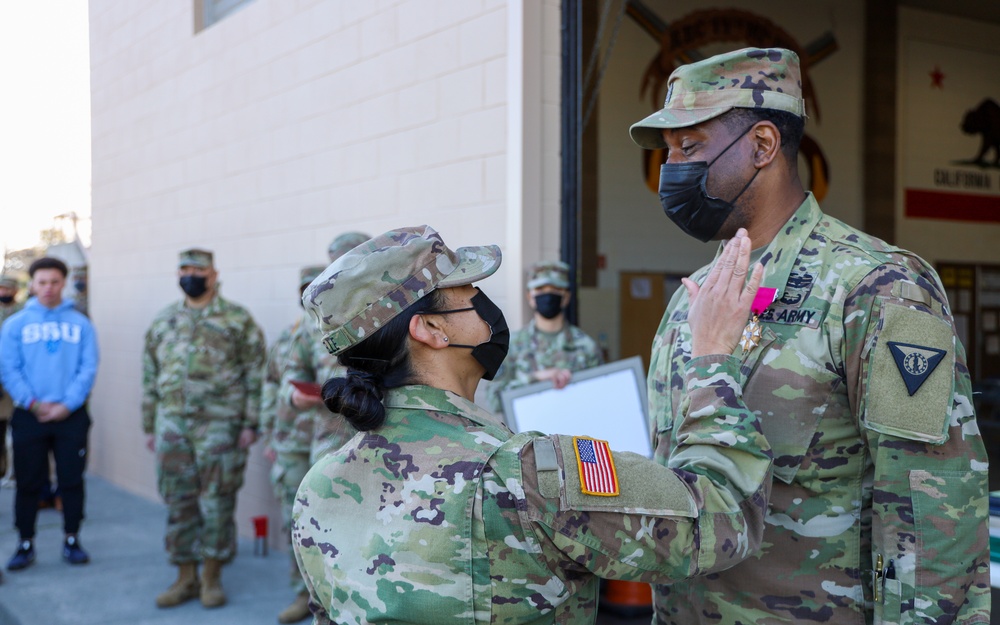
[{"x": 123, "y": 534}]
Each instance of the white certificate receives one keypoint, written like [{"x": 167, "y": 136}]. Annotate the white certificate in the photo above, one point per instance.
[{"x": 606, "y": 402}]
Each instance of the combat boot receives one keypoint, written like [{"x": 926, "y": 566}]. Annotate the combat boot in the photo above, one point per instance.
[
  {"x": 184, "y": 589},
  {"x": 296, "y": 612},
  {"x": 212, "y": 595}
]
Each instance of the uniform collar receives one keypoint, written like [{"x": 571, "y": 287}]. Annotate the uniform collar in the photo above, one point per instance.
[
  {"x": 214, "y": 305},
  {"x": 533, "y": 325},
  {"x": 778, "y": 258},
  {"x": 421, "y": 397}
]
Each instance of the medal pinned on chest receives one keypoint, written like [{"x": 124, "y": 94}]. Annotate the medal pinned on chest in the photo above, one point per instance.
[{"x": 752, "y": 333}]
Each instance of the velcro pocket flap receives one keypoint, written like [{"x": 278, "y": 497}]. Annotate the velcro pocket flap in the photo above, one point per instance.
[{"x": 910, "y": 375}]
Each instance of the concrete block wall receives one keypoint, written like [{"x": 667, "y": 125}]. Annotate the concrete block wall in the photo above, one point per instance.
[{"x": 284, "y": 124}]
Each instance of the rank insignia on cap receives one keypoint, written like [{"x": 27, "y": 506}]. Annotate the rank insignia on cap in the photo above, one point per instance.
[
  {"x": 915, "y": 363},
  {"x": 597, "y": 467}
]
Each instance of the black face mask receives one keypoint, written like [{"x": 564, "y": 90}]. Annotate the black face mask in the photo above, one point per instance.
[
  {"x": 549, "y": 305},
  {"x": 194, "y": 286},
  {"x": 6, "y": 299},
  {"x": 491, "y": 353},
  {"x": 686, "y": 201}
]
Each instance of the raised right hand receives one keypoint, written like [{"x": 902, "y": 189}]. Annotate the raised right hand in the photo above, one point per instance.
[{"x": 720, "y": 307}]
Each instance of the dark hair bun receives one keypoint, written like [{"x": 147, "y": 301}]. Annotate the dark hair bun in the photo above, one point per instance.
[{"x": 358, "y": 398}]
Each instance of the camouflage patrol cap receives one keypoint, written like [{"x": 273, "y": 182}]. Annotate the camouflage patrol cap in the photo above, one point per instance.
[
  {"x": 345, "y": 243},
  {"x": 368, "y": 286},
  {"x": 554, "y": 273},
  {"x": 310, "y": 273},
  {"x": 747, "y": 78},
  {"x": 195, "y": 257},
  {"x": 9, "y": 282}
]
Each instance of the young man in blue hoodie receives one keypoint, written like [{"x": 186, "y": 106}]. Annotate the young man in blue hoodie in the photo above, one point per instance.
[{"x": 48, "y": 360}]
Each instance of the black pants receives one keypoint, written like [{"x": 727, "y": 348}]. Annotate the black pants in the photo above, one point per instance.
[
  {"x": 3, "y": 447},
  {"x": 32, "y": 441}
]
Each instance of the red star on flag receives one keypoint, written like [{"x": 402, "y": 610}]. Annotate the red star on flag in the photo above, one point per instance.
[{"x": 937, "y": 78}]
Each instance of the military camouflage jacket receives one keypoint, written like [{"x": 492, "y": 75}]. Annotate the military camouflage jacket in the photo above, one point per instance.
[
  {"x": 9, "y": 310},
  {"x": 879, "y": 505},
  {"x": 5, "y": 312},
  {"x": 309, "y": 361},
  {"x": 203, "y": 364},
  {"x": 283, "y": 427},
  {"x": 443, "y": 516},
  {"x": 532, "y": 350}
]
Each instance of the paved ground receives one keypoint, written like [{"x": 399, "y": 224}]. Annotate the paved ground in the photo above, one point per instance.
[{"x": 124, "y": 535}]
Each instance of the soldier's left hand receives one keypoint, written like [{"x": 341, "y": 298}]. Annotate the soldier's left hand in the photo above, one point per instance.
[{"x": 247, "y": 438}]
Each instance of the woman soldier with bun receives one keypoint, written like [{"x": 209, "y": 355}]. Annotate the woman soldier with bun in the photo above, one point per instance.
[{"x": 435, "y": 512}]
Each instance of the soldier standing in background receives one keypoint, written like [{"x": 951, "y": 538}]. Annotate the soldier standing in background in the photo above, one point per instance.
[
  {"x": 201, "y": 396},
  {"x": 287, "y": 433},
  {"x": 80, "y": 289},
  {"x": 308, "y": 361},
  {"x": 549, "y": 347},
  {"x": 879, "y": 504},
  {"x": 8, "y": 293},
  {"x": 8, "y": 306}
]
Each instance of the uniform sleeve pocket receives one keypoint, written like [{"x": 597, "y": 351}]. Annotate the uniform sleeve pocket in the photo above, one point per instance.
[
  {"x": 941, "y": 499},
  {"x": 889, "y": 612}
]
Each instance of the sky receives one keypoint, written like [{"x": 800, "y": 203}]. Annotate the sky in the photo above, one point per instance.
[{"x": 44, "y": 118}]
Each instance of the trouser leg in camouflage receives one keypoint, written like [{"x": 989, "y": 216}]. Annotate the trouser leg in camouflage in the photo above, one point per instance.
[
  {"x": 286, "y": 475},
  {"x": 199, "y": 471}
]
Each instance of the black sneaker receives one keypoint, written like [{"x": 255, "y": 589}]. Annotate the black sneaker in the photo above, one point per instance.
[
  {"x": 73, "y": 552},
  {"x": 23, "y": 557}
]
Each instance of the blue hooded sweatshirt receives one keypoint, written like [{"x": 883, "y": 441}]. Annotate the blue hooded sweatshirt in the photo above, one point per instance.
[{"x": 48, "y": 355}]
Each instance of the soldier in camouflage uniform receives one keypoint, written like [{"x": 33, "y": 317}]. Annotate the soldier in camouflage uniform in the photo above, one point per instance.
[
  {"x": 80, "y": 289},
  {"x": 201, "y": 382},
  {"x": 308, "y": 361},
  {"x": 287, "y": 433},
  {"x": 435, "y": 512},
  {"x": 879, "y": 506},
  {"x": 8, "y": 293},
  {"x": 8, "y": 306},
  {"x": 549, "y": 347}
]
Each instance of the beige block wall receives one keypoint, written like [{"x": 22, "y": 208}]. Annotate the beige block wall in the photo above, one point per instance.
[{"x": 267, "y": 134}]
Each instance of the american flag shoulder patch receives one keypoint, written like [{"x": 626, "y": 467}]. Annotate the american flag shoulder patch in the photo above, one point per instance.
[{"x": 597, "y": 467}]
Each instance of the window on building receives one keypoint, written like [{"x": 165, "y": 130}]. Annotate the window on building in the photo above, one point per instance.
[{"x": 208, "y": 12}]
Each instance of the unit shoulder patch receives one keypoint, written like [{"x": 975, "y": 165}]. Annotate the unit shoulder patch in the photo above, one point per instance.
[
  {"x": 915, "y": 362},
  {"x": 910, "y": 377}
]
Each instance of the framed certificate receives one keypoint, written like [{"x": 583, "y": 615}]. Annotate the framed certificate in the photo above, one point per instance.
[{"x": 606, "y": 402}]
